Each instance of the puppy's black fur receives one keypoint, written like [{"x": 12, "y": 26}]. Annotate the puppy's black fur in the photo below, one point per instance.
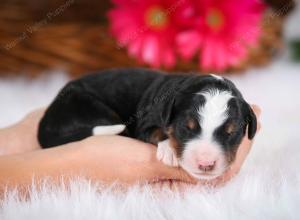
[{"x": 152, "y": 105}]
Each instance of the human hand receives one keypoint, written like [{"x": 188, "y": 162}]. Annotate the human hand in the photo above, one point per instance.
[
  {"x": 129, "y": 161},
  {"x": 111, "y": 158},
  {"x": 98, "y": 157}
]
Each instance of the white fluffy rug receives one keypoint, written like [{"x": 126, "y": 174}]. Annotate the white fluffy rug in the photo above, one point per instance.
[{"x": 268, "y": 187}]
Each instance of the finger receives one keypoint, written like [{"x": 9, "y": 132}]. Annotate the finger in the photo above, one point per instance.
[
  {"x": 35, "y": 115},
  {"x": 221, "y": 180},
  {"x": 256, "y": 109},
  {"x": 173, "y": 173}
]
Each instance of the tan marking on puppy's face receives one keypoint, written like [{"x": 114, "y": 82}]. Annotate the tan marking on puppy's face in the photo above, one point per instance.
[
  {"x": 231, "y": 155},
  {"x": 157, "y": 136},
  {"x": 230, "y": 128},
  {"x": 173, "y": 141},
  {"x": 191, "y": 124}
]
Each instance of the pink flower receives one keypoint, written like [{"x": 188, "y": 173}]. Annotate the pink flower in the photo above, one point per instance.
[
  {"x": 222, "y": 32},
  {"x": 148, "y": 28},
  {"x": 155, "y": 31}
]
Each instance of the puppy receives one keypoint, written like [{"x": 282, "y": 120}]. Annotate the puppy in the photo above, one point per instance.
[{"x": 197, "y": 122}]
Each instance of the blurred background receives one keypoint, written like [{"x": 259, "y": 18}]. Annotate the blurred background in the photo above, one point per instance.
[
  {"x": 44, "y": 43},
  {"x": 75, "y": 36}
]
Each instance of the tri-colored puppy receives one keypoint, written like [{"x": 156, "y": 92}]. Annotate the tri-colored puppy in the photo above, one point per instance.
[{"x": 197, "y": 122}]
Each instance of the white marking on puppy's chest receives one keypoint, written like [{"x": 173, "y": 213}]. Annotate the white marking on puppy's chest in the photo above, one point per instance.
[{"x": 214, "y": 111}]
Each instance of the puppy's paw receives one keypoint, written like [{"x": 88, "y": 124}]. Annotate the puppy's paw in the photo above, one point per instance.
[{"x": 166, "y": 153}]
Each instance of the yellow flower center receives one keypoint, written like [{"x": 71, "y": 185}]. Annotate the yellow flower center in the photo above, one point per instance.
[
  {"x": 215, "y": 19},
  {"x": 156, "y": 17}
]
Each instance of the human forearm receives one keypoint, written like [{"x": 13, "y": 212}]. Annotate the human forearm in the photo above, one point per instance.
[
  {"x": 19, "y": 169},
  {"x": 107, "y": 159},
  {"x": 82, "y": 159}
]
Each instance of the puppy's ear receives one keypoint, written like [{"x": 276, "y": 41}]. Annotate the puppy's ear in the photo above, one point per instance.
[
  {"x": 251, "y": 121},
  {"x": 167, "y": 111}
]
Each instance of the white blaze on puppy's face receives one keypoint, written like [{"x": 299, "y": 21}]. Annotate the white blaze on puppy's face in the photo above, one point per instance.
[{"x": 203, "y": 157}]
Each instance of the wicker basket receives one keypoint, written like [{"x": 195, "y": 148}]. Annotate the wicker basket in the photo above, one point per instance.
[{"x": 38, "y": 36}]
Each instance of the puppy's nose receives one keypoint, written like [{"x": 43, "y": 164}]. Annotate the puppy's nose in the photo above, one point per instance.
[{"x": 206, "y": 166}]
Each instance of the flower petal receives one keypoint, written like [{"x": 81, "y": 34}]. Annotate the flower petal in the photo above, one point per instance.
[
  {"x": 188, "y": 43},
  {"x": 220, "y": 60},
  {"x": 206, "y": 55},
  {"x": 134, "y": 49},
  {"x": 169, "y": 58},
  {"x": 150, "y": 52}
]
